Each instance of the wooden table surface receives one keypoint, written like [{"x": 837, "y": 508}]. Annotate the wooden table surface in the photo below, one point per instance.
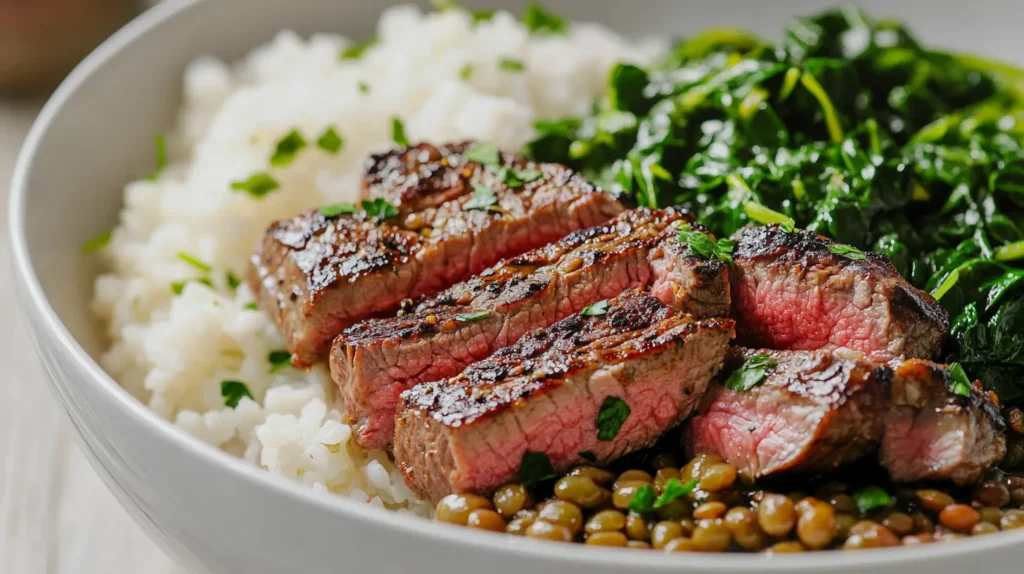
[{"x": 55, "y": 514}]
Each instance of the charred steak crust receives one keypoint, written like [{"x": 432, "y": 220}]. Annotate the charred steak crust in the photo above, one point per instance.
[
  {"x": 790, "y": 291},
  {"x": 815, "y": 411},
  {"x": 542, "y": 394},
  {"x": 316, "y": 275},
  {"x": 373, "y": 361}
]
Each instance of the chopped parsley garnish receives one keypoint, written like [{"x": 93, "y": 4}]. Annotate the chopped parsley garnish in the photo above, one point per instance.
[
  {"x": 482, "y": 15},
  {"x": 958, "y": 381},
  {"x": 279, "y": 360},
  {"x": 363, "y": 88},
  {"x": 510, "y": 65},
  {"x": 330, "y": 141},
  {"x": 753, "y": 371},
  {"x": 847, "y": 251},
  {"x": 870, "y": 498},
  {"x": 398, "y": 131},
  {"x": 483, "y": 198},
  {"x": 599, "y": 308},
  {"x": 701, "y": 244},
  {"x": 442, "y": 5},
  {"x": 518, "y": 177},
  {"x": 484, "y": 153},
  {"x": 336, "y": 209},
  {"x": 233, "y": 391},
  {"x": 96, "y": 243},
  {"x": 233, "y": 282},
  {"x": 161, "y": 156},
  {"x": 258, "y": 185},
  {"x": 467, "y": 317},
  {"x": 614, "y": 411},
  {"x": 178, "y": 286},
  {"x": 251, "y": 306},
  {"x": 286, "y": 149},
  {"x": 355, "y": 51},
  {"x": 588, "y": 455},
  {"x": 766, "y": 216},
  {"x": 643, "y": 499},
  {"x": 674, "y": 490},
  {"x": 466, "y": 72},
  {"x": 535, "y": 468},
  {"x": 539, "y": 20},
  {"x": 195, "y": 262},
  {"x": 379, "y": 209}
]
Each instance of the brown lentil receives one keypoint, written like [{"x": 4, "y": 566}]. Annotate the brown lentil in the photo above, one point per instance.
[
  {"x": 680, "y": 544},
  {"x": 1012, "y": 519},
  {"x": 633, "y": 476},
  {"x": 776, "y": 514},
  {"x": 745, "y": 530},
  {"x": 607, "y": 538},
  {"x": 636, "y": 527},
  {"x": 638, "y": 544},
  {"x": 598, "y": 475},
  {"x": 990, "y": 514},
  {"x": 711, "y": 535},
  {"x": 982, "y": 528},
  {"x": 579, "y": 490},
  {"x": 662, "y": 477},
  {"x": 623, "y": 493},
  {"x": 510, "y": 499},
  {"x": 709, "y": 510},
  {"x": 991, "y": 494},
  {"x": 688, "y": 525},
  {"x": 959, "y": 517},
  {"x": 934, "y": 500},
  {"x": 663, "y": 532},
  {"x": 455, "y": 508},
  {"x": 817, "y": 525},
  {"x": 922, "y": 523},
  {"x": 565, "y": 513},
  {"x": 844, "y": 522},
  {"x": 787, "y": 547},
  {"x": 486, "y": 519},
  {"x": 521, "y": 522},
  {"x": 901, "y": 524},
  {"x": 664, "y": 460},
  {"x": 717, "y": 477},
  {"x": 605, "y": 521},
  {"x": 873, "y": 536},
  {"x": 918, "y": 539},
  {"x": 549, "y": 531},
  {"x": 843, "y": 503}
]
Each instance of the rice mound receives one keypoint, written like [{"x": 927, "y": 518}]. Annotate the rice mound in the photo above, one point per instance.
[{"x": 172, "y": 351}]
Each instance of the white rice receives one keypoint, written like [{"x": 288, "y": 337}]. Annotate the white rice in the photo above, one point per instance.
[{"x": 173, "y": 351}]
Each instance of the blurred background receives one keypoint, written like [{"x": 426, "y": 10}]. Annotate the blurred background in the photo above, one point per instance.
[{"x": 55, "y": 514}]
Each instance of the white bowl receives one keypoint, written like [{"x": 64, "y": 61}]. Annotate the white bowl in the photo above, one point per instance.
[{"x": 215, "y": 513}]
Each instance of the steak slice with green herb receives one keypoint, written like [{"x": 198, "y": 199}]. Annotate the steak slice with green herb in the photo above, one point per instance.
[
  {"x": 940, "y": 426},
  {"x": 603, "y": 385},
  {"x": 800, "y": 291},
  {"x": 792, "y": 411},
  {"x": 324, "y": 270},
  {"x": 375, "y": 360}
]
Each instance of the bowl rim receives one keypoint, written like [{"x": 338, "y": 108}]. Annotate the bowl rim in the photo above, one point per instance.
[{"x": 43, "y": 316}]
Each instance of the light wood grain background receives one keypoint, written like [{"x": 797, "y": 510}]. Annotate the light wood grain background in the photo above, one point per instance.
[{"x": 55, "y": 514}]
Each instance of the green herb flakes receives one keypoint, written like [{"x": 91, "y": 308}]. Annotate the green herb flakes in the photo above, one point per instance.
[
  {"x": 484, "y": 154},
  {"x": 330, "y": 141},
  {"x": 195, "y": 262},
  {"x": 257, "y": 185},
  {"x": 535, "y": 469},
  {"x": 539, "y": 20},
  {"x": 233, "y": 391},
  {"x": 336, "y": 209},
  {"x": 674, "y": 490},
  {"x": 251, "y": 306},
  {"x": 597, "y": 309},
  {"x": 161, "y": 156},
  {"x": 178, "y": 286},
  {"x": 614, "y": 411},
  {"x": 702, "y": 245},
  {"x": 510, "y": 65},
  {"x": 643, "y": 499},
  {"x": 379, "y": 209},
  {"x": 232, "y": 281},
  {"x": 469, "y": 317},
  {"x": 519, "y": 177},
  {"x": 363, "y": 88},
  {"x": 483, "y": 198},
  {"x": 398, "y": 131},
  {"x": 96, "y": 243},
  {"x": 279, "y": 360},
  {"x": 753, "y": 371},
  {"x": 848, "y": 251},
  {"x": 356, "y": 51},
  {"x": 466, "y": 72},
  {"x": 870, "y": 498},
  {"x": 286, "y": 149},
  {"x": 959, "y": 383}
]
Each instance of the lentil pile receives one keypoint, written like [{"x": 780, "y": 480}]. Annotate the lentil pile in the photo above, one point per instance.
[{"x": 703, "y": 506}]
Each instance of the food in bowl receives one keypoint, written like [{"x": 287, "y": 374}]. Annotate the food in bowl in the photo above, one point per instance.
[{"x": 653, "y": 321}]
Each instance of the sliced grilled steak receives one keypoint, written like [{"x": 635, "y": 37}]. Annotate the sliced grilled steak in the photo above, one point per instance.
[
  {"x": 790, "y": 291},
  {"x": 815, "y": 411},
  {"x": 316, "y": 275},
  {"x": 374, "y": 361},
  {"x": 544, "y": 393},
  {"x": 932, "y": 433}
]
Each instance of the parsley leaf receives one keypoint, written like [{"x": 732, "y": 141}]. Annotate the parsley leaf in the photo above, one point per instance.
[
  {"x": 482, "y": 15},
  {"x": 178, "y": 286},
  {"x": 510, "y": 65},
  {"x": 467, "y": 317},
  {"x": 233, "y": 391},
  {"x": 847, "y": 251},
  {"x": 251, "y": 306},
  {"x": 233, "y": 282},
  {"x": 398, "y": 131},
  {"x": 675, "y": 490},
  {"x": 363, "y": 88},
  {"x": 483, "y": 153},
  {"x": 279, "y": 360},
  {"x": 336, "y": 209},
  {"x": 195, "y": 262},
  {"x": 483, "y": 198},
  {"x": 870, "y": 498},
  {"x": 330, "y": 141},
  {"x": 466, "y": 72},
  {"x": 958, "y": 381},
  {"x": 643, "y": 499},
  {"x": 379, "y": 209},
  {"x": 96, "y": 243},
  {"x": 753, "y": 371},
  {"x": 258, "y": 185},
  {"x": 599, "y": 308},
  {"x": 588, "y": 455},
  {"x": 702, "y": 245},
  {"x": 517, "y": 178},
  {"x": 614, "y": 411},
  {"x": 538, "y": 20},
  {"x": 161, "y": 156},
  {"x": 535, "y": 468},
  {"x": 286, "y": 149},
  {"x": 356, "y": 50}
]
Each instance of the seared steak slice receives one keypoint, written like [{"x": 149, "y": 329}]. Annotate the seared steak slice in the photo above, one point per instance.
[
  {"x": 933, "y": 433},
  {"x": 790, "y": 291},
  {"x": 544, "y": 393},
  {"x": 814, "y": 411},
  {"x": 316, "y": 275},
  {"x": 374, "y": 361}
]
